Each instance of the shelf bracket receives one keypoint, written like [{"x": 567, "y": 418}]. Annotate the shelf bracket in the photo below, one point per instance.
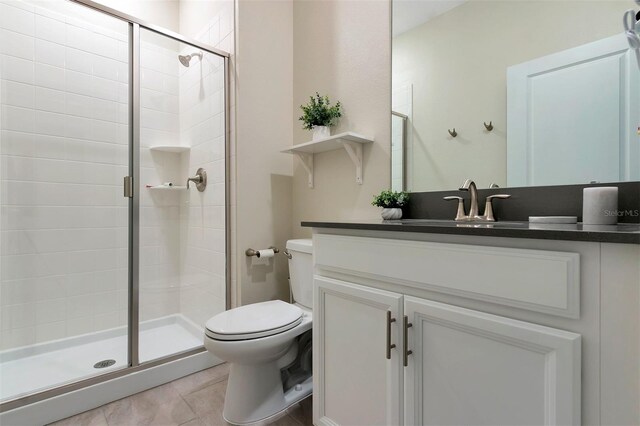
[
  {"x": 355, "y": 153},
  {"x": 307, "y": 163}
]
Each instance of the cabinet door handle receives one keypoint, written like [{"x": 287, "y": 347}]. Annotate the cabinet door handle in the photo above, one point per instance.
[
  {"x": 389, "y": 344},
  {"x": 406, "y": 350}
]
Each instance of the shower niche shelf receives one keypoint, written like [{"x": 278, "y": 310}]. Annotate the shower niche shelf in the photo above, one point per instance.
[
  {"x": 172, "y": 162},
  {"x": 351, "y": 142},
  {"x": 167, "y": 188},
  {"x": 170, "y": 148}
]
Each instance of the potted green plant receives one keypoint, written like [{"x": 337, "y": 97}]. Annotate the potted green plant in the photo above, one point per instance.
[
  {"x": 318, "y": 115},
  {"x": 391, "y": 203}
]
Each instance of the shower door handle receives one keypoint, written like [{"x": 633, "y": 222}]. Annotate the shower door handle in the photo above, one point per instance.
[{"x": 128, "y": 186}]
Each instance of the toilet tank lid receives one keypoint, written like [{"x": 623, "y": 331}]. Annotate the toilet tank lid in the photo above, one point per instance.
[{"x": 302, "y": 245}]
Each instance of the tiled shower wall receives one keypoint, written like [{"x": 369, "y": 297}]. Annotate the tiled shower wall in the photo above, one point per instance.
[
  {"x": 64, "y": 80},
  {"x": 64, "y": 97},
  {"x": 202, "y": 126},
  {"x": 159, "y": 210}
]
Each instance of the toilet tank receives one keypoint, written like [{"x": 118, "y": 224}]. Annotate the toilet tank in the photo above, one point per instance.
[{"x": 301, "y": 271}]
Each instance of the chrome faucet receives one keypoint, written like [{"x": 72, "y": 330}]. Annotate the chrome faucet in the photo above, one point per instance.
[
  {"x": 474, "y": 216},
  {"x": 470, "y": 186}
]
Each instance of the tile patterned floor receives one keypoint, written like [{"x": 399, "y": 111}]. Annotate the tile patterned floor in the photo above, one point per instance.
[{"x": 195, "y": 400}]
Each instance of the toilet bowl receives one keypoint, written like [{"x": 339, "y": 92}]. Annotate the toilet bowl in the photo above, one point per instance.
[{"x": 268, "y": 347}]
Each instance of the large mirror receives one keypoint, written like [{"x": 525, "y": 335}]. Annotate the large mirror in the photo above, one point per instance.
[{"x": 513, "y": 93}]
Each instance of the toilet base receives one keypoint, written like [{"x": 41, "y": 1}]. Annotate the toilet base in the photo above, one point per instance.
[{"x": 255, "y": 396}]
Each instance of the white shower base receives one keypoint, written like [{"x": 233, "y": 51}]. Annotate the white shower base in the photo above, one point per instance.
[{"x": 32, "y": 368}]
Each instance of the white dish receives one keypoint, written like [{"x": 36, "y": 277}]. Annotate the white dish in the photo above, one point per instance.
[{"x": 553, "y": 219}]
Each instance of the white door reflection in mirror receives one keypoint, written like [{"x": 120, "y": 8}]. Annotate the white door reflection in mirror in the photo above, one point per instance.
[{"x": 572, "y": 116}]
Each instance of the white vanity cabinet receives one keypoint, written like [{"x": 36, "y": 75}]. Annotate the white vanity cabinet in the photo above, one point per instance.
[
  {"x": 463, "y": 366},
  {"x": 359, "y": 385},
  {"x": 516, "y": 343},
  {"x": 472, "y": 368}
]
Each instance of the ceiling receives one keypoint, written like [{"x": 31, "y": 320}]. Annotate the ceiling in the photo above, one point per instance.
[{"x": 408, "y": 14}]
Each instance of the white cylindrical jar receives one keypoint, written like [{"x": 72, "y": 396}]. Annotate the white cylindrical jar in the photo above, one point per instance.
[{"x": 600, "y": 206}]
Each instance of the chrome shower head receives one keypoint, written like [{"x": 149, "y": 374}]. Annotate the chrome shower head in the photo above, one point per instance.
[{"x": 186, "y": 59}]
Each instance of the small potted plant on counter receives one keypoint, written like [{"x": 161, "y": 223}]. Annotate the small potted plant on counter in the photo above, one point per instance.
[
  {"x": 318, "y": 115},
  {"x": 391, "y": 203}
]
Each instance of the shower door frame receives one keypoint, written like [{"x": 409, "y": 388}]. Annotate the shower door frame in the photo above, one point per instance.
[{"x": 133, "y": 328}]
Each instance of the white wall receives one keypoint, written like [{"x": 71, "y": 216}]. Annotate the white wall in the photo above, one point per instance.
[
  {"x": 456, "y": 64},
  {"x": 264, "y": 73},
  {"x": 342, "y": 49}
]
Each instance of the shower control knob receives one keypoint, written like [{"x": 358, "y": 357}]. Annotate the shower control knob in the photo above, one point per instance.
[{"x": 200, "y": 179}]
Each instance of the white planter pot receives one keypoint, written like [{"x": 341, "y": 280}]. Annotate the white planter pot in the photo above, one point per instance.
[
  {"x": 321, "y": 132},
  {"x": 392, "y": 214}
]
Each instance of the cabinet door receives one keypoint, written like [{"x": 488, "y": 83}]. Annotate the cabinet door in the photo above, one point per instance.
[
  {"x": 353, "y": 381},
  {"x": 469, "y": 367}
]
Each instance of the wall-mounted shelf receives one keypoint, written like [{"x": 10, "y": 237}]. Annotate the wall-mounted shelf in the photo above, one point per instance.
[
  {"x": 349, "y": 141},
  {"x": 166, "y": 188},
  {"x": 170, "y": 148}
]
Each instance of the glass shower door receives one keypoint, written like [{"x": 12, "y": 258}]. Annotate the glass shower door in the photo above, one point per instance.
[
  {"x": 182, "y": 230},
  {"x": 64, "y": 149}
]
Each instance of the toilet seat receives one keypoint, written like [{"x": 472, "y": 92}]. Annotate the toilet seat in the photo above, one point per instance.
[{"x": 254, "y": 321}]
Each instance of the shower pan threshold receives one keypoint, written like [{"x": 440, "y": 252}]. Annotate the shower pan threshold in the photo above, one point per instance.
[{"x": 33, "y": 368}]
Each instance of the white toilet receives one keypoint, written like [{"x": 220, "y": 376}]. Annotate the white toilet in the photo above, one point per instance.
[{"x": 268, "y": 347}]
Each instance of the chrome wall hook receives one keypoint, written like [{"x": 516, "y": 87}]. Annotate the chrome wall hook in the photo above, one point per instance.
[
  {"x": 453, "y": 132},
  {"x": 489, "y": 126}
]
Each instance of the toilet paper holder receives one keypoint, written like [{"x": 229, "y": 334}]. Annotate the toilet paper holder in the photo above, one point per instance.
[{"x": 251, "y": 252}]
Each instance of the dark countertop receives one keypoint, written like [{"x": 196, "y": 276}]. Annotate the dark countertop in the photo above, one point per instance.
[{"x": 620, "y": 233}]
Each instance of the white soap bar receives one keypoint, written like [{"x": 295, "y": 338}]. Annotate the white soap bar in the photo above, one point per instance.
[
  {"x": 553, "y": 219},
  {"x": 600, "y": 206}
]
